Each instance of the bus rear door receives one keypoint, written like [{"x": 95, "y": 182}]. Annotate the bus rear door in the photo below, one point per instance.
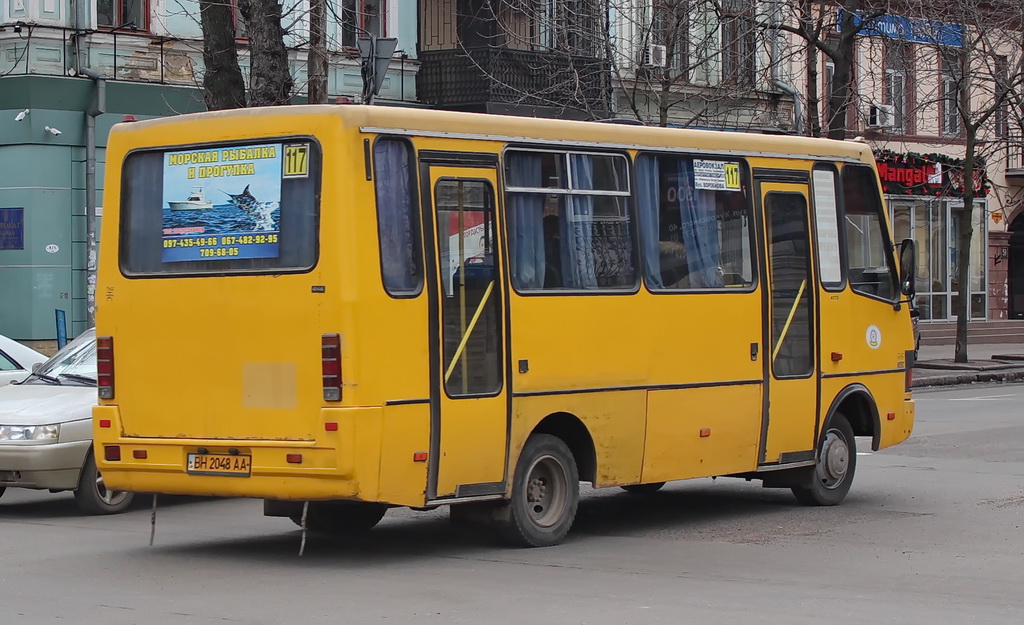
[{"x": 469, "y": 402}]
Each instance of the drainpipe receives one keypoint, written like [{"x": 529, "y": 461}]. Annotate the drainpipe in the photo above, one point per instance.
[
  {"x": 777, "y": 82},
  {"x": 98, "y": 107}
]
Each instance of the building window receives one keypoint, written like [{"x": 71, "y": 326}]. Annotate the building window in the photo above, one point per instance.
[
  {"x": 122, "y": 14},
  {"x": 1002, "y": 114},
  {"x": 739, "y": 38},
  {"x": 950, "y": 106},
  {"x": 572, "y": 26},
  {"x": 899, "y": 64},
  {"x": 670, "y": 23},
  {"x": 361, "y": 19}
]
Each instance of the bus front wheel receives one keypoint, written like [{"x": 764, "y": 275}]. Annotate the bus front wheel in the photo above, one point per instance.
[
  {"x": 545, "y": 494},
  {"x": 342, "y": 517},
  {"x": 830, "y": 479}
]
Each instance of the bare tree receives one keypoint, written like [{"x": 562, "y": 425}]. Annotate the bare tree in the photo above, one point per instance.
[
  {"x": 976, "y": 83},
  {"x": 270, "y": 81},
  {"x": 832, "y": 28},
  {"x": 223, "y": 85}
]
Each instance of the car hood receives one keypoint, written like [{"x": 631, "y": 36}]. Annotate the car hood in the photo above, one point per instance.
[{"x": 38, "y": 404}]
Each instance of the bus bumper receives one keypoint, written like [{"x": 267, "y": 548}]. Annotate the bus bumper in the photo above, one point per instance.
[
  {"x": 339, "y": 464},
  {"x": 899, "y": 427}
]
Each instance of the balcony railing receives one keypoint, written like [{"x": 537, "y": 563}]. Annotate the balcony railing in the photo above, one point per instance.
[{"x": 489, "y": 78}]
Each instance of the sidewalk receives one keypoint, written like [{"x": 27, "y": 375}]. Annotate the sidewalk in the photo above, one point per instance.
[{"x": 988, "y": 363}]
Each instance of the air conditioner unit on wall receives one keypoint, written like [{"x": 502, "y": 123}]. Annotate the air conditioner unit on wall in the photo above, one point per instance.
[
  {"x": 881, "y": 116},
  {"x": 654, "y": 56}
]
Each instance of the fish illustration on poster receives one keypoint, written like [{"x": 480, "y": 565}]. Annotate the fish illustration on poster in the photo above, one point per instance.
[{"x": 222, "y": 203}]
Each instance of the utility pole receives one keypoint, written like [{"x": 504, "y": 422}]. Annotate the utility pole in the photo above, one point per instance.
[{"x": 316, "y": 64}]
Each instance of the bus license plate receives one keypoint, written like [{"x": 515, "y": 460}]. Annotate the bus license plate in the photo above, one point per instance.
[{"x": 219, "y": 464}]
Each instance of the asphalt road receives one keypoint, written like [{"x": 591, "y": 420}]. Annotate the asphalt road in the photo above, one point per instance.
[{"x": 930, "y": 533}]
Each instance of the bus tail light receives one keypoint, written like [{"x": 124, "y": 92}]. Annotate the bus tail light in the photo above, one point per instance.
[
  {"x": 330, "y": 349},
  {"x": 105, "y": 366}
]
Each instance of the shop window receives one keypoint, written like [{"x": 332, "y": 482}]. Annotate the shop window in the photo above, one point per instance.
[
  {"x": 570, "y": 222},
  {"x": 870, "y": 266},
  {"x": 122, "y": 14},
  {"x": 693, "y": 235}
]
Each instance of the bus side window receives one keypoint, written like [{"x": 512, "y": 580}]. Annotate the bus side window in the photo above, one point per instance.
[
  {"x": 693, "y": 237},
  {"x": 868, "y": 250},
  {"x": 397, "y": 223}
]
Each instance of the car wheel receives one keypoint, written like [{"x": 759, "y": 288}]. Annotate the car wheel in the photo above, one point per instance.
[
  {"x": 342, "y": 517},
  {"x": 545, "y": 494},
  {"x": 643, "y": 489},
  {"x": 93, "y": 496},
  {"x": 831, "y": 478}
]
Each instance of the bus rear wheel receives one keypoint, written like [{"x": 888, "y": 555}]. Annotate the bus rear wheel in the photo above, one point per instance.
[
  {"x": 342, "y": 517},
  {"x": 643, "y": 489},
  {"x": 545, "y": 494},
  {"x": 832, "y": 476}
]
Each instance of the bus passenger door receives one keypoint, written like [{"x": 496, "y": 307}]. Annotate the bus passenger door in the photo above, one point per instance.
[
  {"x": 789, "y": 422},
  {"x": 469, "y": 408}
]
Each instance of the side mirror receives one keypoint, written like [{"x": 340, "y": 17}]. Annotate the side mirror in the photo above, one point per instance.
[
  {"x": 908, "y": 265},
  {"x": 36, "y": 367}
]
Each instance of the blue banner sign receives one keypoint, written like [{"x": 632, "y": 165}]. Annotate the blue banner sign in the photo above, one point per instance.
[
  {"x": 62, "y": 329},
  {"x": 12, "y": 228},
  {"x": 910, "y": 29}
]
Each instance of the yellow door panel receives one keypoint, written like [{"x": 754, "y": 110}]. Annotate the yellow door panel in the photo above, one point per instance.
[
  {"x": 468, "y": 441},
  {"x": 791, "y": 352},
  {"x": 701, "y": 432}
]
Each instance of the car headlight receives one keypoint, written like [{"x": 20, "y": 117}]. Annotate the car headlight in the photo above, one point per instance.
[{"x": 29, "y": 432}]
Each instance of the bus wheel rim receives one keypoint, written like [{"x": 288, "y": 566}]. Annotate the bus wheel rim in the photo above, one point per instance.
[
  {"x": 835, "y": 460},
  {"x": 547, "y": 491}
]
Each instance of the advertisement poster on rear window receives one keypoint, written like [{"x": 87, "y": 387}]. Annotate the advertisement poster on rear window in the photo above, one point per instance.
[{"x": 223, "y": 203}]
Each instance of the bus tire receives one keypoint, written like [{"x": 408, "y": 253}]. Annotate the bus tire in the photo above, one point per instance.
[
  {"x": 643, "y": 489},
  {"x": 828, "y": 482},
  {"x": 92, "y": 495},
  {"x": 342, "y": 517},
  {"x": 545, "y": 494}
]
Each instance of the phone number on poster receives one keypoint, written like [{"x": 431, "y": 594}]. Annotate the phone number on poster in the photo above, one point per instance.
[
  {"x": 248, "y": 239},
  {"x": 191, "y": 242},
  {"x": 212, "y": 252}
]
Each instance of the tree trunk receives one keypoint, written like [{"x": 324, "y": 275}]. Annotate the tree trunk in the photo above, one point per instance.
[
  {"x": 965, "y": 230},
  {"x": 316, "y": 87},
  {"x": 811, "y": 57},
  {"x": 270, "y": 82},
  {"x": 839, "y": 99},
  {"x": 223, "y": 85}
]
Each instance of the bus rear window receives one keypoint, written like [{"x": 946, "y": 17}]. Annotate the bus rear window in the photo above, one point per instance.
[{"x": 226, "y": 208}]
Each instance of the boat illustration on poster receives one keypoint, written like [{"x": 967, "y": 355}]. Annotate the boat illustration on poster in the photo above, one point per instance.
[{"x": 196, "y": 201}]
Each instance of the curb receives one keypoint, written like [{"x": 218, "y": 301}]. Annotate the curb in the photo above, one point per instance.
[{"x": 1011, "y": 375}]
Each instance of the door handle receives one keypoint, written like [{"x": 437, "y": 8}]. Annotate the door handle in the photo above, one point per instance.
[{"x": 753, "y": 351}]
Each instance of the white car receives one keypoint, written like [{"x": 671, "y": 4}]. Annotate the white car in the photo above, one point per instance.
[
  {"x": 16, "y": 360},
  {"x": 46, "y": 430}
]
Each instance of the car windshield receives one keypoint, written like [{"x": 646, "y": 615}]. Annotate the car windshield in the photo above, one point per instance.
[{"x": 76, "y": 360}]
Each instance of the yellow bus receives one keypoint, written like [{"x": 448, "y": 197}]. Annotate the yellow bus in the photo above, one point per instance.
[{"x": 341, "y": 309}]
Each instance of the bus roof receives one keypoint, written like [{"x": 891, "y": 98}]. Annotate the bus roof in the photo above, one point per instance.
[{"x": 413, "y": 121}]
